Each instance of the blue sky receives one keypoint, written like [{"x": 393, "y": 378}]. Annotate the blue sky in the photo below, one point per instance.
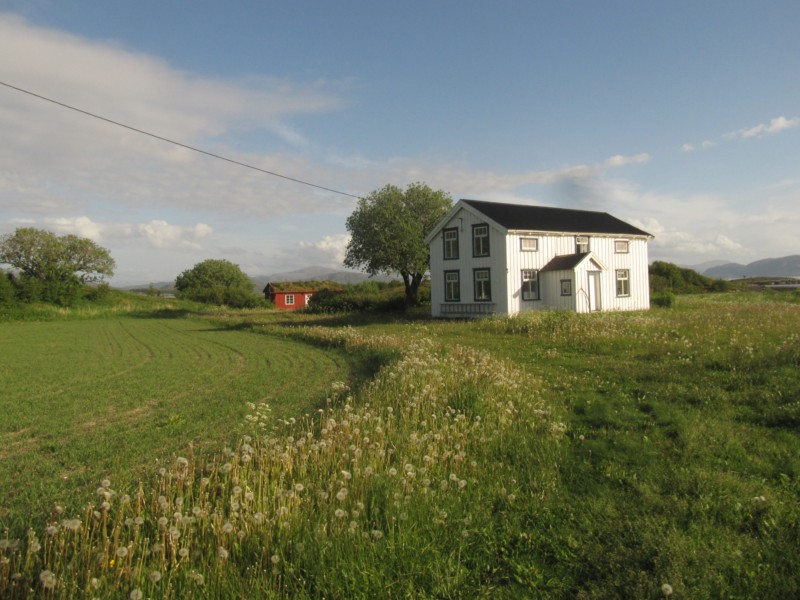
[{"x": 682, "y": 118}]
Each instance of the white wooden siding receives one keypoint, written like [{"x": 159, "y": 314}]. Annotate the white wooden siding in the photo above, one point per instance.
[
  {"x": 506, "y": 262},
  {"x": 465, "y": 264},
  {"x": 602, "y": 247}
]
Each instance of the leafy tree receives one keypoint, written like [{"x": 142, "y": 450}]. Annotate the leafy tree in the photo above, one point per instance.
[
  {"x": 217, "y": 281},
  {"x": 388, "y": 230},
  {"x": 53, "y": 268}
]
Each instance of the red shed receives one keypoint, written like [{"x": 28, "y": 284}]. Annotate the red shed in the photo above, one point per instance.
[{"x": 288, "y": 296}]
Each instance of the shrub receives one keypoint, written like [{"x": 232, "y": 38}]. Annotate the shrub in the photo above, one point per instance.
[
  {"x": 663, "y": 299},
  {"x": 6, "y": 290}
]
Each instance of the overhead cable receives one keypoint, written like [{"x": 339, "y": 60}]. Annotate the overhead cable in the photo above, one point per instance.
[{"x": 163, "y": 139}]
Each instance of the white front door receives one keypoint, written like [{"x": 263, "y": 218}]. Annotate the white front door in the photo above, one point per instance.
[{"x": 595, "y": 301}]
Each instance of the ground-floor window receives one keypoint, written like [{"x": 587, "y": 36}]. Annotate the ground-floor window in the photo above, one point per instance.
[
  {"x": 483, "y": 287},
  {"x": 623, "y": 282},
  {"x": 289, "y": 299},
  {"x": 566, "y": 287},
  {"x": 530, "y": 284},
  {"x": 452, "y": 286}
]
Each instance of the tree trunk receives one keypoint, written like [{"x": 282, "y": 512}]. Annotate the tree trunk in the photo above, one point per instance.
[{"x": 412, "y": 282}]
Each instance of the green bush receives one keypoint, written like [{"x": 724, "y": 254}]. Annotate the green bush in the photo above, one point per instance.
[
  {"x": 7, "y": 296},
  {"x": 663, "y": 299}
]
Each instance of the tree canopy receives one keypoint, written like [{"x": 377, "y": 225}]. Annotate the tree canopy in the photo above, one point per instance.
[
  {"x": 53, "y": 268},
  {"x": 216, "y": 281},
  {"x": 388, "y": 230},
  {"x": 45, "y": 256}
]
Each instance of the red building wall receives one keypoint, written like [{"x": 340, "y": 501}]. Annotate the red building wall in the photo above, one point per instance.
[{"x": 291, "y": 300}]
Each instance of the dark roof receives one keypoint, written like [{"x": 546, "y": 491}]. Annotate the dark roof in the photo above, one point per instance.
[
  {"x": 546, "y": 218},
  {"x": 565, "y": 262}
]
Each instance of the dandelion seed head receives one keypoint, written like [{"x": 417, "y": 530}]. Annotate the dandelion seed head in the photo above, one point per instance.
[
  {"x": 48, "y": 579},
  {"x": 72, "y": 524},
  {"x": 183, "y": 552},
  {"x": 136, "y": 594},
  {"x": 197, "y": 577},
  {"x": 666, "y": 589},
  {"x": 227, "y": 527},
  {"x": 222, "y": 553},
  {"x": 122, "y": 552},
  {"x": 155, "y": 576}
]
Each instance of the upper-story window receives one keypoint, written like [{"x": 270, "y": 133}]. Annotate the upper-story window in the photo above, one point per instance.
[
  {"x": 480, "y": 240},
  {"x": 529, "y": 244},
  {"x": 450, "y": 237},
  {"x": 621, "y": 246},
  {"x": 581, "y": 244}
]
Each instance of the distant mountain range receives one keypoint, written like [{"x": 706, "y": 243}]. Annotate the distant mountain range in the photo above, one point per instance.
[{"x": 787, "y": 266}]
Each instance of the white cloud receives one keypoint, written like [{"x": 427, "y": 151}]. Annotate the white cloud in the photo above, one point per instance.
[
  {"x": 620, "y": 161},
  {"x": 80, "y": 226},
  {"x": 687, "y": 148},
  {"x": 775, "y": 125},
  {"x": 56, "y": 158},
  {"x": 327, "y": 252},
  {"x": 161, "y": 234}
]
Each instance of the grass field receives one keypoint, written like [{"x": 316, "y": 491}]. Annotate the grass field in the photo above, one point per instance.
[
  {"x": 635, "y": 455},
  {"x": 89, "y": 399}
]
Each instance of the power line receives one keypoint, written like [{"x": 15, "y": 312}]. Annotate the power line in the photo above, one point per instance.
[{"x": 163, "y": 139}]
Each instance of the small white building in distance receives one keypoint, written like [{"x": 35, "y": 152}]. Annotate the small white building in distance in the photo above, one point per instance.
[{"x": 492, "y": 258}]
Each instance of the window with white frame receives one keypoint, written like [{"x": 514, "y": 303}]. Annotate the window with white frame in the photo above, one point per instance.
[
  {"x": 450, "y": 237},
  {"x": 452, "y": 286},
  {"x": 289, "y": 299},
  {"x": 480, "y": 240},
  {"x": 529, "y": 244},
  {"x": 621, "y": 246},
  {"x": 623, "y": 282},
  {"x": 483, "y": 286},
  {"x": 581, "y": 244},
  {"x": 530, "y": 284}
]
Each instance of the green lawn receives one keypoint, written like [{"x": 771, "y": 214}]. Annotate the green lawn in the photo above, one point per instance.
[
  {"x": 552, "y": 455},
  {"x": 101, "y": 398}
]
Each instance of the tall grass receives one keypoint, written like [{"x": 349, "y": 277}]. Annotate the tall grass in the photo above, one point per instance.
[
  {"x": 383, "y": 495},
  {"x": 637, "y": 455}
]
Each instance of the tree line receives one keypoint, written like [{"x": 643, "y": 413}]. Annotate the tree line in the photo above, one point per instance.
[{"x": 387, "y": 231}]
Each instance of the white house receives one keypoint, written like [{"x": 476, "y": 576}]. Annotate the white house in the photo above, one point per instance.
[{"x": 491, "y": 258}]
